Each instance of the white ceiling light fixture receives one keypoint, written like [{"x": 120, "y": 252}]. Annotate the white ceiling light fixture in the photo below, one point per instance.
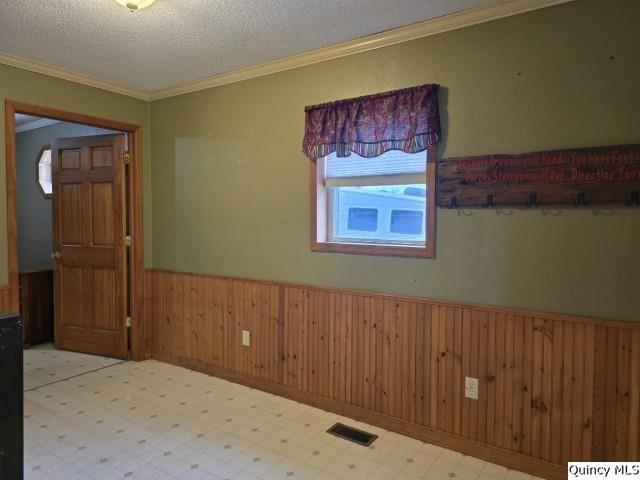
[{"x": 134, "y": 5}]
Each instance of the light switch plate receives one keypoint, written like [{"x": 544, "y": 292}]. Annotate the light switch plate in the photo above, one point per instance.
[
  {"x": 246, "y": 338},
  {"x": 471, "y": 388}
]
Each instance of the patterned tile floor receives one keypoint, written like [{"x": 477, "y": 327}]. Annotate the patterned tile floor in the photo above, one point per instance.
[
  {"x": 44, "y": 365},
  {"x": 152, "y": 420}
]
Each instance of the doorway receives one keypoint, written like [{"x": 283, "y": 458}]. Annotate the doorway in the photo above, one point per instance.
[{"x": 95, "y": 234}]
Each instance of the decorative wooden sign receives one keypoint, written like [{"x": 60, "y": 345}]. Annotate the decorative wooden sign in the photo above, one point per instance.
[{"x": 585, "y": 176}]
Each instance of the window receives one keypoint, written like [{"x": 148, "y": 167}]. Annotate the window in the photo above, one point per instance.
[
  {"x": 362, "y": 219},
  {"x": 371, "y": 214},
  {"x": 382, "y": 205},
  {"x": 43, "y": 171},
  {"x": 407, "y": 221}
]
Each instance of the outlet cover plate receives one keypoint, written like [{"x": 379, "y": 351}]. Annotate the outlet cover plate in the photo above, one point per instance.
[
  {"x": 246, "y": 338},
  {"x": 471, "y": 388}
]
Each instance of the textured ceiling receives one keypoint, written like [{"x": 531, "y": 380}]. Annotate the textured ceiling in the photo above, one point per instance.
[{"x": 177, "y": 41}]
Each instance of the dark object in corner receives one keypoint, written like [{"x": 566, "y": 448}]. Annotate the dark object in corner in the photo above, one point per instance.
[
  {"x": 352, "y": 434},
  {"x": 11, "y": 433}
]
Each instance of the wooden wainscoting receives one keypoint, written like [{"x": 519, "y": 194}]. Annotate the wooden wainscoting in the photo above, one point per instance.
[
  {"x": 553, "y": 388},
  {"x": 36, "y": 306},
  {"x": 5, "y": 299}
]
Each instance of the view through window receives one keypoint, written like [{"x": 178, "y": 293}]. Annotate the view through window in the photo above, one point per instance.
[
  {"x": 379, "y": 213},
  {"x": 380, "y": 200}
]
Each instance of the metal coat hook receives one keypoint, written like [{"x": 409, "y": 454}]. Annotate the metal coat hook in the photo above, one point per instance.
[
  {"x": 533, "y": 201},
  {"x": 634, "y": 199},
  {"x": 581, "y": 200},
  {"x": 453, "y": 203},
  {"x": 490, "y": 202},
  {"x": 505, "y": 212},
  {"x": 553, "y": 213}
]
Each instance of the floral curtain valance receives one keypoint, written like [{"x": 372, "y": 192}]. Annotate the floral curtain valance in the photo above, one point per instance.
[{"x": 406, "y": 120}]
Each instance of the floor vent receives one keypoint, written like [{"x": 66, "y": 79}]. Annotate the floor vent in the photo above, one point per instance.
[{"x": 352, "y": 434}]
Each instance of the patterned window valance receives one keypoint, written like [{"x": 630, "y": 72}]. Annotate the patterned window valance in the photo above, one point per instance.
[{"x": 406, "y": 120}]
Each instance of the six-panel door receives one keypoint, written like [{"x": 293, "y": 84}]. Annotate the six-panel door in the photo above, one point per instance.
[{"x": 89, "y": 230}]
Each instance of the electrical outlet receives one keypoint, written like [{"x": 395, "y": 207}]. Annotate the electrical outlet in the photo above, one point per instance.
[
  {"x": 246, "y": 338},
  {"x": 471, "y": 388}
]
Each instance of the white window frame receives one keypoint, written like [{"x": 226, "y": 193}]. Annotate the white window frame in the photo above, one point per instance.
[
  {"x": 38, "y": 158},
  {"x": 323, "y": 240}
]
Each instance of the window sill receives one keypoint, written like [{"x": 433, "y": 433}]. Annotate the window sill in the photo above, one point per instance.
[{"x": 426, "y": 251}]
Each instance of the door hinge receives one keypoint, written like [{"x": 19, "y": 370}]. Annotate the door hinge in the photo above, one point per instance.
[
  {"x": 127, "y": 322},
  {"x": 127, "y": 241},
  {"x": 126, "y": 158}
]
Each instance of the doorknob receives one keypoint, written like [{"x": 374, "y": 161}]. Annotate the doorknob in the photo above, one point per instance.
[{"x": 55, "y": 255}]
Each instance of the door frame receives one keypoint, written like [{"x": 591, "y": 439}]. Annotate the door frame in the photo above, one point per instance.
[{"x": 140, "y": 346}]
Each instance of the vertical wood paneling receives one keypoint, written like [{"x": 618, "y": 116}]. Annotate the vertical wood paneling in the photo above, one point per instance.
[
  {"x": 434, "y": 366},
  {"x": 369, "y": 372},
  {"x": 557, "y": 412},
  {"x": 530, "y": 387},
  {"x": 423, "y": 359},
  {"x": 189, "y": 313},
  {"x": 442, "y": 369},
  {"x": 611, "y": 377},
  {"x": 519, "y": 386},
  {"x": 450, "y": 389},
  {"x": 501, "y": 374},
  {"x": 477, "y": 414},
  {"x": 550, "y": 388},
  {"x": 492, "y": 372},
  {"x": 174, "y": 313},
  {"x": 154, "y": 307},
  {"x": 599, "y": 394},
  {"x": 467, "y": 365},
  {"x": 634, "y": 398},
  {"x": 544, "y": 405},
  {"x": 36, "y": 306},
  {"x": 412, "y": 319},
  {"x": 388, "y": 355},
  {"x": 622, "y": 394},
  {"x": 149, "y": 311},
  {"x": 356, "y": 361},
  {"x": 348, "y": 306},
  {"x": 458, "y": 378},
  {"x": 5, "y": 298},
  {"x": 378, "y": 342},
  {"x": 587, "y": 393},
  {"x": 293, "y": 321},
  {"x": 567, "y": 391},
  {"x": 578, "y": 383}
]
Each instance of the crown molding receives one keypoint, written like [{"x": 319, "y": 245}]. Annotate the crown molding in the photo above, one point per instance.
[
  {"x": 454, "y": 21},
  {"x": 41, "y": 122},
  {"x": 37, "y": 67}
]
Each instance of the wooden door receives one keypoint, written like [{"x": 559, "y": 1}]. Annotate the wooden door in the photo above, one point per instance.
[{"x": 89, "y": 245}]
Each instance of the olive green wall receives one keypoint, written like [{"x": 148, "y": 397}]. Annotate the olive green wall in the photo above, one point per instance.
[
  {"x": 23, "y": 86},
  {"x": 231, "y": 194}
]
